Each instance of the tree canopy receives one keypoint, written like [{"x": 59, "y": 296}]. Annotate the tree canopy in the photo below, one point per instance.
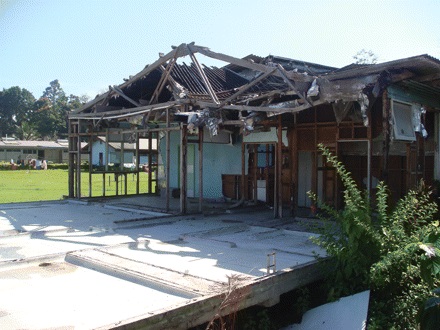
[{"x": 27, "y": 118}]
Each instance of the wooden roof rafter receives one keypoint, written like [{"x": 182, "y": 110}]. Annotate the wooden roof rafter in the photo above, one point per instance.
[
  {"x": 292, "y": 86},
  {"x": 247, "y": 87},
  {"x": 203, "y": 76},
  {"x": 163, "y": 79},
  {"x": 179, "y": 51},
  {"x": 249, "y": 65},
  {"x": 122, "y": 113},
  {"x": 119, "y": 91}
]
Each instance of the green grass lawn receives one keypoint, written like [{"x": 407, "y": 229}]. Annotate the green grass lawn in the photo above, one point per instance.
[{"x": 31, "y": 186}]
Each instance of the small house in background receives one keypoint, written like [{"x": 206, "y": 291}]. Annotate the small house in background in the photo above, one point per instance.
[
  {"x": 51, "y": 151},
  {"x": 118, "y": 153}
]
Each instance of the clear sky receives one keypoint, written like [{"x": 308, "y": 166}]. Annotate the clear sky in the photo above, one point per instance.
[{"x": 90, "y": 44}]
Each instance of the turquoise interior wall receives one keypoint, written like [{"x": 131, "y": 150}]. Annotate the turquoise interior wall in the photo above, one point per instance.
[{"x": 218, "y": 159}]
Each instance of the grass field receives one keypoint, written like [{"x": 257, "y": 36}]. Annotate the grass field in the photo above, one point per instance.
[{"x": 31, "y": 186}]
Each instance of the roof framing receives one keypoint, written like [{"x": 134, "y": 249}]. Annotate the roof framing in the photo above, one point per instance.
[{"x": 262, "y": 93}]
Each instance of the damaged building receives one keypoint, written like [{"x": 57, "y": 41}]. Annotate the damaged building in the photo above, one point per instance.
[{"x": 248, "y": 132}]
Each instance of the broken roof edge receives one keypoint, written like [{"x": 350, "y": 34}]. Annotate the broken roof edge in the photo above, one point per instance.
[{"x": 351, "y": 70}]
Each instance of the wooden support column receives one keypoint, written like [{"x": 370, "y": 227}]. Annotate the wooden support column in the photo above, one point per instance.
[
  {"x": 150, "y": 163},
  {"x": 255, "y": 172},
  {"x": 370, "y": 155},
  {"x": 293, "y": 141},
  {"x": 90, "y": 164},
  {"x": 71, "y": 160},
  {"x": 243, "y": 171},
  {"x": 167, "y": 170},
  {"x": 278, "y": 170},
  {"x": 386, "y": 127},
  {"x": 107, "y": 157},
  {"x": 183, "y": 168},
  {"x": 315, "y": 155},
  {"x": 106, "y": 150},
  {"x": 121, "y": 164},
  {"x": 200, "y": 169},
  {"x": 138, "y": 162},
  {"x": 78, "y": 161}
]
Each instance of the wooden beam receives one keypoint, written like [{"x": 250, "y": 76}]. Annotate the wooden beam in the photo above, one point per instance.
[
  {"x": 429, "y": 77},
  {"x": 71, "y": 130},
  {"x": 249, "y": 65},
  {"x": 150, "y": 163},
  {"x": 90, "y": 140},
  {"x": 183, "y": 168},
  {"x": 386, "y": 127},
  {"x": 276, "y": 110},
  {"x": 246, "y": 87},
  {"x": 243, "y": 171},
  {"x": 165, "y": 74},
  {"x": 292, "y": 85},
  {"x": 200, "y": 169},
  {"x": 167, "y": 170},
  {"x": 205, "y": 79},
  {"x": 118, "y": 91},
  {"x": 293, "y": 146},
  {"x": 179, "y": 51},
  {"x": 78, "y": 162},
  {"x": 138, "y": 160},
  {"x": 125, "y": 112},
  {"x": 279, "y": 169}
]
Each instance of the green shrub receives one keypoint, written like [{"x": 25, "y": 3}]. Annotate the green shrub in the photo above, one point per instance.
[{"x": 395, "y": 254}]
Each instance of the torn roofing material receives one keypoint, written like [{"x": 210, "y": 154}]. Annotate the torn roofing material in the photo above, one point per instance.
[{"x": 268, "y": 86}]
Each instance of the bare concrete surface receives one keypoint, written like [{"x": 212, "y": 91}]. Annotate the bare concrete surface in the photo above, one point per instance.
[{"x": 76, "y": 265}]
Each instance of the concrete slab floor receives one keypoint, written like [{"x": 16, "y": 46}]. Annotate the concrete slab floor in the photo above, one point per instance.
[{"x": 87, "y": 265}]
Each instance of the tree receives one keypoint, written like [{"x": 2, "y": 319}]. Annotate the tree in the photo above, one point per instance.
[
  {"x": 15, "y": 108},
  {"x": 365, "y": 57},
  {"x": 51, "y": 111},
  {"x": 22, "y": 116}
]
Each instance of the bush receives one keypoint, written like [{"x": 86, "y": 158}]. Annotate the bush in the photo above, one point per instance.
[{"x": 395, "y": 254}]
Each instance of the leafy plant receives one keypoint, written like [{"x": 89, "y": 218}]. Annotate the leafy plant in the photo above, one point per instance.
[{"x": 394, "y": 253}]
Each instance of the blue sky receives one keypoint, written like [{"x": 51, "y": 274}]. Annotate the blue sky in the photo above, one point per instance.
[{"x": 90, "y": 44}]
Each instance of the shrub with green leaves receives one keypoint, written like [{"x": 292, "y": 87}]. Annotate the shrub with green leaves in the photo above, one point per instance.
[{"x": 395, "y": 253}]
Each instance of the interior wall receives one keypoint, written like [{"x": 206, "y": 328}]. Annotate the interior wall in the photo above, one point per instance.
[{"x": 218, "y": 159}]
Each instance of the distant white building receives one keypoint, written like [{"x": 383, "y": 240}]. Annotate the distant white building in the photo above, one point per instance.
[
  {"x": 53, "y": 151},
  {"x": 118, "y": 152}
]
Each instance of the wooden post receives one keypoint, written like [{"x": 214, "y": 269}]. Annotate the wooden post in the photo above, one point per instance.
[
  {"x": 243, "y": 171},
  {"x": 167, "y": 171},
  {"x": 106, "y": 149},
  {"x": 183, "y": 168},
  {"x": 200, "y": 169},
  {"x": 71, "y": 161},
  {"x": 254, "y": 170},
  {"x": 90, "y": 164},
  {"x": 279, "y": 169},
  {"x": 150, "y": 163},
  {"x": 138, "y": 160},
  {"x": 293, "y": 142},
  {"x": 386, "y": 113},
  {"x": 78, "y": 161},
  {"x": 121, "y": 165}
]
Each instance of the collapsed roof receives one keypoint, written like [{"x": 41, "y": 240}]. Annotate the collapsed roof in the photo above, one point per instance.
[{"x": 249, "y": 88}]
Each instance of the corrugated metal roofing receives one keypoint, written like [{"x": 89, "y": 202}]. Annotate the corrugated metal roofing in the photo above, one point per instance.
[{"x": 223, "y": 81}]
